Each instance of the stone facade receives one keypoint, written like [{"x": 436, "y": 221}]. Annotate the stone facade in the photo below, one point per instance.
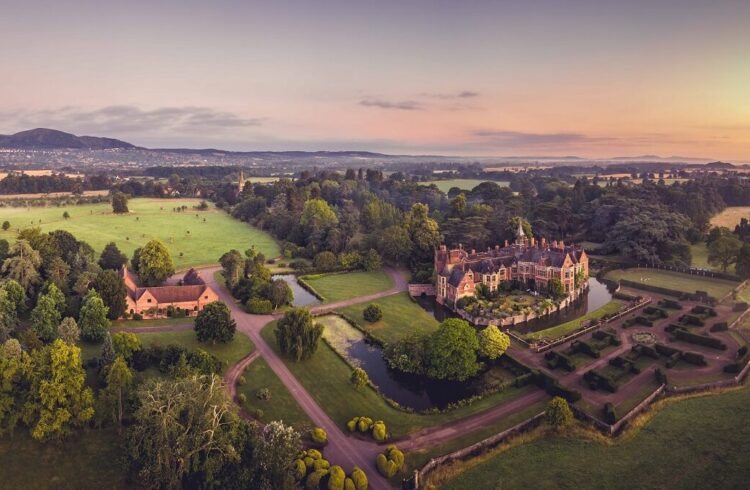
[
  {"x": 532, "y": 263},
  {"x": 191, "y": 296}
]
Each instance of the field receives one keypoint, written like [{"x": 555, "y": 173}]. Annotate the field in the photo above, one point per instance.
[
  {"x": 401, "y": 316},
  {"x": 730, "y": 217},
  {"x": 699, "y": 253},
  {"x": 85, "y": 460},
  {"x": 159, "y": 322},
  {"x": 692, "y": 443},
  {"x": 465, "y": 184},
  {"x": 281, "y": 405},
  {"x": 326, "y": 377},
  {"x": 190, "y": 240},
  {"x": 675, "y": 280},
  {"x": 337, "y": 287},
  {"x": 565, "y": 328}
]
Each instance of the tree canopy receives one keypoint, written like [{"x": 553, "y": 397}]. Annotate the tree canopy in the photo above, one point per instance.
[
  {"x": 214, "y": 323},
  {"x": 154, "y": 263},
  {"x": 297, "y": 335},
  {"x": 451, "y": 352}
]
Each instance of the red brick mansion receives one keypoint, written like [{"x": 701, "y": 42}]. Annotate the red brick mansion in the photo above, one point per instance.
[{"x": 527, "y": 261}]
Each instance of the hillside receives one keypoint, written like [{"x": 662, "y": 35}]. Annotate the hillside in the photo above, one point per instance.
[{"x": 49, "y": 139}]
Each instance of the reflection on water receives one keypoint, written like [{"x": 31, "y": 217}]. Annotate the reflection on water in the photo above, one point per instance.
[
  {"x": 302, "y": 297},
  {"x": 598, "y": 295}
]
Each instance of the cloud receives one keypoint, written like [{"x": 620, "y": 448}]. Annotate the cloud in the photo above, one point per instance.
[
  {"x": 464, "y": 94},
  {"x": 128, "y": 119},
  {"x": 519, "y": 139},
  {"x": 404, "y": 105}
]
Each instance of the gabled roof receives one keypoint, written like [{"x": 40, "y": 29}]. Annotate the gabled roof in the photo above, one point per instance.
[
  {"x": 173, "y": 294},
  {"x": 456, "y": 277}
]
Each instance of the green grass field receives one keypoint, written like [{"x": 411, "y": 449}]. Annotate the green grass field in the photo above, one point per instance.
[
  {"x": 401, "y": 317},
  {"x": 97, "y": 225},
  {"x": 465, "y": 184},
  {"x": 158, "y": 322},
  {"x": 565, "y": 328},
  {"x": 337, "y": 287},
  {"x": 699, "y": 254},
  {"x": 281, "y": 406},
  {"x": 675, "y": 280},
  {"x": 86, "y": 460},
  {"x": 326, "y": 377},
  {"x": 228, "y": 353},
  {"x": 692, "y": 443}
]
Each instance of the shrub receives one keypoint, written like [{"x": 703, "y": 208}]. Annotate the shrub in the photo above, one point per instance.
[
  {"x": 242, "y": 399},
  {"x": 258, "y": 413},
  {"x": 558, "y": 413},
  {"x": 241, "y": 381},
  {"x": 661, "y": 378},
  {"x": 321, "y": 464},
  {"x": 352, "y": 424},
  {"x": 319, "y": 436},
  {"x": 372, "y": 313},
  {"x": 313, "y": 479},
  {"x": 389, "y": 461},
  {"x": 300, "y": 469},
  {"x": 379, "y": 431},
  {"x": 359, "y": 378},
  {"x": 137, "y": 316},
  {"x": 263, "y": 394},
  {"x": 336, "y": 477},
  {"x": 698, "y": 339},
  {"x": 259, "y": 306},
  {"x": 364, "y": 424},
  {"x": 671, "y": 304},
  {"x": 719, "y": 327},
  {"x": 359, "y": 478},
  {"x": 693, "y": 358},
  {"x": 609, "y": 413}
]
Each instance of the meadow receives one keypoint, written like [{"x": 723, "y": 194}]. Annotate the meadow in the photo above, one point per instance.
[
  {"x": 337, "y": 287},
  {"x": 464, "y": 184},
  {"x": 690, "y": 443},
  {"x": 674, "y": 280},
  {"x": 731, "y": 216},
  {"x": 193, "y": 237}
]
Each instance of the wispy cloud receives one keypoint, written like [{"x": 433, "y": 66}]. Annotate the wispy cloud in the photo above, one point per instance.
[
  {"x": 128, "y": 119},
  {"x": 402, "y": 105},
  {"x": 464, "y": 94},
  {"x": 519, "y": 139}
]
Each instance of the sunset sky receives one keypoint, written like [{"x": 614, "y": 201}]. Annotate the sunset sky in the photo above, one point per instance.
[{"x": 592, "y": 78}]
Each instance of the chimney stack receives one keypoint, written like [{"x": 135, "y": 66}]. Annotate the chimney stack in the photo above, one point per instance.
[
  {"x": 473, "y": 252},
  {"x": 532, "y": 241},
  {"x": 506, "y": 243},
  {"x": 544, "y": 242}
]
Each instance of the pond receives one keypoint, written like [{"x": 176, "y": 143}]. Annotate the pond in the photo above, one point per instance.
[
  {"x": 597, "y": 296},
  {"x": 302, "y": 297},
  {"x": 412, "y": 391}
]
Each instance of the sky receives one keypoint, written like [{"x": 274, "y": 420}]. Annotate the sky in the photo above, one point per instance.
[{"x": 593, "y": 78}]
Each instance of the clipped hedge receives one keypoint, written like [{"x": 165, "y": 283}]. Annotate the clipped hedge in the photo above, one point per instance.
[
  {"x": 554, "y": 388},
  {"x": 703, "y": 310},
  {"x": 610, "y": 416},
  {"x": 671, "y": 304},
  {"x": 319, "y": 436},
  {"x": 585, "y": 348},
  {"x": 389, "y": 461},
  {"x": 739, "y": 362},
  {"x": 259, "y": 306},
  {"x": 719, "y": 327},
  {"x": 699, "y": 339},
  {"x": 597, "y": 380},
  {"x": 642, "y": 320},
  {"x": 365, "y": 425},
  {"x": 692, "y": 320},
  {"x": 558, "y": 359}
]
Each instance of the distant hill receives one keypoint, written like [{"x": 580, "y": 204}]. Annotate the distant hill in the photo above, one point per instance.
[
  {"x": 282, "y": 154},
  {"x": 720, "y": 165},
  {"x": 51, "y": 139}
]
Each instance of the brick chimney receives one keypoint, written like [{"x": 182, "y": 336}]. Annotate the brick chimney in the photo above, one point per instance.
[
  {"x": 544, "y": 242},
  {"x": 532, "y": 241},
  {"x": 506, "y": 243}
]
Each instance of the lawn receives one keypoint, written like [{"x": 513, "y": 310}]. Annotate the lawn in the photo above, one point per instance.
[
  {"x": 281, "y": 405},
  {"x": 465, "y": 184},
  {"x": 337, "y": 287},
  {"x": 401, "y": 317},
  {"x": 158, "y": 322},
  {"x": 731, "y": 216},
  {"x": 692, "y": 443},
  {"x": 565, "y": 328},
  {"x": 84, "y": 460},
  {"x": 326, "y": 377},
  {"x": 229, "y": 353},
  {"x": 699, "y": 254},
  {"x": 675, "y": 280},
  {"x": 184, "y": 233}
]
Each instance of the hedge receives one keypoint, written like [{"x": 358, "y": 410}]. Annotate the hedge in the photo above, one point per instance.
[
  {"x": 259, "y": 306},
  {"x": 699, "y": 339},
  {"x": 609, "y": 413},
  {"x": 553, "y": 387},
  {"x": 739, "y": 362},
  {"x": 642, "y": 320},
  {"x": 585, "y": 348},
  {"x": 558, "y": 359},
  {"x": 319, "y": 436},
  {"x": 703, "y": 310},
  {"x": 694, "y": 358},
  {"x": 661, "y": 378},
  {"x": 389, "y": 461},
  {"x": 671, "y": 304},
  {"x": 692, "y": 320},
  {"x": 598, "y": 380},
  {"x": 655, "y": 312},
  {"x": 719, "y": 327}
]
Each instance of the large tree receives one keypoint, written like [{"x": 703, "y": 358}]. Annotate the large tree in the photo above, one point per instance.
[
  {"x": 277, "y": 445},
  {"x": 492, "y": 342},
  {"x": 743, "y": 262},
  {"x": 155, "y": 264},
  {"x": 59, "y": 399},
  {"x": 112, "y": 257},
  {"x": 297, "y": 335},
  {"x": 93, "y": 317},
  {"x": 45, "y": 317},
  {"x": 280, "y": 293},
  {"x": 233, "y": 265},
  {"x": 214, "y": 323},
  {"x": 119, "y": 382},
  {"x": 68, "y": 331},
  {"x": 15, "y": 365},
  {"x": 111, "y": 288},
  {"x": 22, "y": 265},
  {"x": 395, "y": 244},
  {"x": 451, "y": 352},
  {"x": 182, "y": 426},
  {"x": 724, "y": 251},
  {"x": 119, "y": 203}
]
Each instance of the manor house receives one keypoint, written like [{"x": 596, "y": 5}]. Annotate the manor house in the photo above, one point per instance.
[
  {"x": 532, "y": 263},
  {"x": 191, "y": 295}
]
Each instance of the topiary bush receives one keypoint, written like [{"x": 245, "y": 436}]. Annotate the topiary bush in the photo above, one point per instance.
[
  {"x": 319, "y": 436},
  {"x": 359, "y": 478},
  {"x": 379, "y": 431},
  {"x": 258, "y": 414},
  {"x": 313, "y": 479},
  {"x": 372, "y": 313},
  {"x": 242, "y": 399},
  {"x": 241, "y": 380},
  {"x": 336, "y": 478},
  {"x": 263, "y": 394},
  {"x": 364, "y": 424},
  {"x": 300, "y": 469},
  {"x": 389, "y": 461}
]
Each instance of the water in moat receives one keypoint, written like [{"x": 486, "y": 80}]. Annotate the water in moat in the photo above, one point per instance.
[
  {"x": 302, "y": 297},
  {"x": 597, "y": 296}
]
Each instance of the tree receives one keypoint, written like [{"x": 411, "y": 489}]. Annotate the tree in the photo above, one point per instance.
[
  {"x": 214, "y": 323},
  {"x": 93, "y": 317},
  {"x": 66, "y": 215},
  {"x": 372, "y": 313},
  {"x": 119, "y": 382},
  {"x": 317, "y": 214},
  {"x": 359, "y": 378},
  {"x": 119, "y": 203},
  {"x": 154, "y": 263},
  {"x": 68, "y": 331},
  {"x": 277, "y": 446},
  {"x": 112, "y": 257},
  {"x": 45, "y": 317},
  {"x": 296, "y": 334},
  {"x": 558, "y": 413},
  {"x": 16, "y": 295},
  {"x": 22, "y": 264},
  {"x": 743, "y": 262},
  {"x": 395, "y": 244},
  {"x": 492, "y": 342},
  {"x": 58, "y": 397},
  {"x": 57, "y": 297},
  {"x": 451, "y": 352},
  {"x": 8, "y": 315},
  {"x": 724, "y": 251},
  {"x": 324, "y": 261},
  {"x": 371, "y": 261},
  {"x": 15, "y": 365},
  {"x": 280, "y": 293},
  {"x": 111, "y": 288},
  {"x": 182, "y": 426},
  {"x": 125, "y": 344},
  {"x": 6, "y": 225},
  {"x": 4, "y": 248},
  {"x": 135, "y": 262},
  {"x": 233, "y": 265}
]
